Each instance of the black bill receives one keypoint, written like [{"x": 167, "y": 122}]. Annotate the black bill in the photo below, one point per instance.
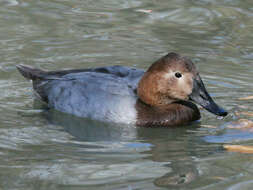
[{"x": 201, "y": 97}]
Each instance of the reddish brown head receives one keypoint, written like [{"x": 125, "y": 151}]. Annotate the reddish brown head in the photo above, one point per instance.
[
  {"x": 167, "y": 80},
  {"x": 173, "y": 78}
]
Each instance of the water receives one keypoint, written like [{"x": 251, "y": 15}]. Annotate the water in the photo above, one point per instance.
[{"x": 49, "y": 150}]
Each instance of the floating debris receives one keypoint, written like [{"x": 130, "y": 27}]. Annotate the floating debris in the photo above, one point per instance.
[
  {"x": 244, "y": 113},
  {"x": 240, "y": 124},
  {"x": 239, "y": 148},
  {"x": 144, "y": 10},
  {"x": 246, "y": 98},
  {"x": 209, "y": 126},
  {"x": 243, "y": 107}
]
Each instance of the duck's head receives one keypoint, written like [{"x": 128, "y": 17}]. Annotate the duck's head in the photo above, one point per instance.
[{"x": 174, "y": 78}]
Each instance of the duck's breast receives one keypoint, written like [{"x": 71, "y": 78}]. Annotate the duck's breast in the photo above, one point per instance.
[{"x": 97, "y": 96}]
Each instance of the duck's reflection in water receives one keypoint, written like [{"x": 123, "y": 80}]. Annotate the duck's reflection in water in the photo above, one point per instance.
[
  {"x": 175, "y": 146},
  {"x": 89, "y": 130}
]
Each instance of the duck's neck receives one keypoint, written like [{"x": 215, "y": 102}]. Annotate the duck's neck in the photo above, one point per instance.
[
  {"x": 151, "y": 90},
  {"x": 173, "y": 114}
]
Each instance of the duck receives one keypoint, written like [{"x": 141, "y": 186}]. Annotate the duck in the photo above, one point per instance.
[{"x": 164, "y": 95}]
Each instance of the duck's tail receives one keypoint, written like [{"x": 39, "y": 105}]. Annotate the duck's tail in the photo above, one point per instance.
[
  {"x": 38, "y": 78},
  {"x": 30, "y": 72}
]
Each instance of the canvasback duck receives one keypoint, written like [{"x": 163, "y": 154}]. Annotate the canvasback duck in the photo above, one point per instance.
[{"x": 161, "y": 96}]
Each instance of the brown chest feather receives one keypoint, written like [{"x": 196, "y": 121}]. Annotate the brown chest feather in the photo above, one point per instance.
[{"x": 174, "y": 114}]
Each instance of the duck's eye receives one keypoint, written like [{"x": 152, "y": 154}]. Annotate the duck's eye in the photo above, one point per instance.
[{"x": 178, "y": 75}]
